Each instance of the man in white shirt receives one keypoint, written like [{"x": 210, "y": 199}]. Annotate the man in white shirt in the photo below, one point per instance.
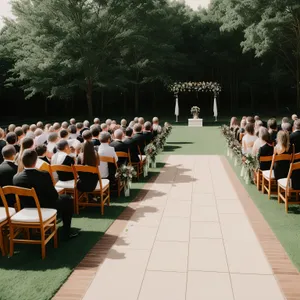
[{"x": 106, "y": 150}]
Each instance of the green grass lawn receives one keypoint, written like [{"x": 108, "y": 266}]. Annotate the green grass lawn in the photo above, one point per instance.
[{"x": 27, "y": 276}]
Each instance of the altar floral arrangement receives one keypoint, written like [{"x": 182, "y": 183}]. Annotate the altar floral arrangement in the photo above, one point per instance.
[
  {"x": 195, "y": 110},
  {"x": 126, "y": 174},
  {"x": 201, "y": 86}
]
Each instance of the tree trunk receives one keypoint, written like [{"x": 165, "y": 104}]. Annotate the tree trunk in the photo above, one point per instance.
[
  {"x": 46, "y": 106},
  {"x": 89, "y": 93},
  {"x": 136, "y": 99}
]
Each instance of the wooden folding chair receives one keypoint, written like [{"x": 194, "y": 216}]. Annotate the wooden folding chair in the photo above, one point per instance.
[
  {"x": 124, "y": 155},
  {"x": 269, "y": 183},
  {"x": 285, "y": 189},
  {"x": 102, "y": 189},
  {"x": 258, "y": 173},
  {"x": 43, "y": 219},
  {"x": 67, "y": 187},
  {"x": 120, "y": 184},
  {"x": 5, "y": 213}
]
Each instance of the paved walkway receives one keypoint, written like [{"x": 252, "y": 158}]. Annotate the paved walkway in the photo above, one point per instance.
[{"x": 190, "y": 238}]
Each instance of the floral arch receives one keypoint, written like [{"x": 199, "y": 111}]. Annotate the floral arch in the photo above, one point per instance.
[{"x": 200, "y": 86}]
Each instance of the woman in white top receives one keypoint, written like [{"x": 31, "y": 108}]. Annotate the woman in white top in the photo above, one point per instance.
[
  {"x": 248, "y": 139},
  {"x": 263, "y": 137}
]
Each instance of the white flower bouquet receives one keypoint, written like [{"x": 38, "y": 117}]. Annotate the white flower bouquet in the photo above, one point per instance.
[{"x": 126, "y": 174}]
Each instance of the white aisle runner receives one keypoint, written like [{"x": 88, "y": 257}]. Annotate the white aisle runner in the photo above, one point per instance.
[{"x": 189, "y": 239}]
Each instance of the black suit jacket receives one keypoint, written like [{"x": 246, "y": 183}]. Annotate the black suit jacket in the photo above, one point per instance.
[
  {"x": 96, "y": 142},
  {"x": 2, "y": 145},
  {"x": 148, "y": 137},
  {"x": 140, "y": 140},
  {"x": 295, "y": 139},
  {"x": 134, "y": 154},
  {"x": 42, "y": 183},
  {"x": 120, "y": 147},
  {"x": 66, "y": 176},
  {"x": 7, "y": 171},
  {"x": 265, "y": 150}
]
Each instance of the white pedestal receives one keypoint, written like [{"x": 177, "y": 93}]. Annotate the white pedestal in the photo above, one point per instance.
[{"x": 195, "y": 122}]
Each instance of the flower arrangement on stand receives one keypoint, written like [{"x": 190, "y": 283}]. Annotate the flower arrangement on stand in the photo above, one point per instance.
[
  {"x": 126, "y": 174},
  {"x": 251, "y": 163},
  {"x": 151, "y": 153},
  {"x": 195, "y": 111},
  {"x": 167, "y": 129}
]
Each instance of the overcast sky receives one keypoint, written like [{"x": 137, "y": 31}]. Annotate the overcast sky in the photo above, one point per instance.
[{"x": 5, "y": 7}]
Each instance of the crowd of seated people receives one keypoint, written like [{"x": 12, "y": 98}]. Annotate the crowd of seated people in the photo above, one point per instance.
[{"x": 24, "y": 149}]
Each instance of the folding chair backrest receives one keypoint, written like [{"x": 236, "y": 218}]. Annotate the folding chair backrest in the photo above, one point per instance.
[
  {"x": 281, "y": 157},
  {"x": 87, "y": 169},
  {"x": 22, "y": 192},
  {"x": 2, "y": 196},
  {"x": 62, "y": 168},
  {"x": 108, "y": 159},
  {"x": 266, "y": 158},
  {"x": 296, "y": 157},
  {"x": 122, "y": 154},
  {"x": 46, "y": 167}
]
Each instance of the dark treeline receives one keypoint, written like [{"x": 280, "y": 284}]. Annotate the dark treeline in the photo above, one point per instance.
[{"x": 117, "y": 57}]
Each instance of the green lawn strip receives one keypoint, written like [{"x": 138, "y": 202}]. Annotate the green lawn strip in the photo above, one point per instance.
[{"x": 26, "y": 276}]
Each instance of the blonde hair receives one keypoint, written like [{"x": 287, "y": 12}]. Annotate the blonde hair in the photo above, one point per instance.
[
  {"x": 283, "y": 140},
  {"x": 234, "y": 122},
  {"x": 2, "y": 133}
]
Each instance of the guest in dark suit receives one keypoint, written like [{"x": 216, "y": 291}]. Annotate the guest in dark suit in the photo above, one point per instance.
[
  {"x": 86, "y": 126},
  {"x": 62, "y": 157},
  {"x": 156, "y": 127},
  {"x": 147, "y": 132},
  {"x": 12, "y": 139},
  {"x": 265, "y": 149},
  {"x": 2, "y": 144},
  {"x": 8, "y": 169},
  {"x": 134, "y": 154},
  {"x": 120, "y": 146},
  {"x": 41, "y": 151},
  {"x": 95, "y": 133},
  {"x": 273, "y": 129},
  {"x": 47, "y": 194},
  {"x": 295, "y": 136},
  {"x": 139, "y": 137}
]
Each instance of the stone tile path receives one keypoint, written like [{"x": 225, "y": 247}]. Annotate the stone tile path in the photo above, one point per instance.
[{"x": 189, "y": 239}]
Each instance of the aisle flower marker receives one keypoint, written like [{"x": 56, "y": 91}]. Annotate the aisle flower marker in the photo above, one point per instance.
[{"x": 126, "y": 174}]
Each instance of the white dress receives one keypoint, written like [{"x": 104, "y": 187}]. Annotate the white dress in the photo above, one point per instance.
[{"x": 248, "y": 143}]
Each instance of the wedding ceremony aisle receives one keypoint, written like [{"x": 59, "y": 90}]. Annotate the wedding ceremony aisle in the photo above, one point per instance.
[{"x": 195, "y": 234}]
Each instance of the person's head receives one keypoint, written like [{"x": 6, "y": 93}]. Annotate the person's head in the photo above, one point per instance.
[
  {"x": 104, "y": 127},
  {"x": 97, "y": 121},
  {"x": 141, "y": 121},
  {"x": 72, "y": 129},
  {"x": 56, "y": 126},
  {"x": 9, "y": 152},
  {"x": 243, "y": 123},
  {"x": 40, "y": 125},
  {"x": 19, "y": 132},
  {"x": 129, "y": 132},
  {"x": 286, "y": 127},
  {"x": 123, "y": 123},
  {"x": 63, "y": 146},
  {"x": 250, "y": 119},
  {"x": 95, "y": 132},
  {"x": 11, "y": 128},
  {"x": 285, "y": 120},
  {"x": 108, "y": 122},
  {"x": 234, "y": 122},
  {"x": 118, "y": 134},
  {"x": 147, "y": 126},
  {"x": 27, "y": 143},
  {"x": 249, "y": 128},
  {"x": 131, "y": 124},
  {"x": 136, "y": 120},
  {"x": 79, "y": 126},
  {"x": 114, "y": 122},
  {"x": 263, "y": 134},
  {"x": 53, "y": 137},
  {"x": 283, "y": 139},
  {"x": 257, "y": 125},
  {"x": 137, "y": 128},
  {"x": 72, "y": 121},
  {"x": 38, "y": 132},
  {"x": 51, "y": 129},
  {"x": 41, "y": 150},
  {"x": 64, "y": 125},
  {"x": 87, "y": 135},
  {"x": 272, "y": 124},
  {"x": 25, "y": 128},
  {"x": 47, "y": 127},
  {"x": 155, "y": 120},
  {"x": 11, "y": 138},
  {"x": 32, "y": 128},
  {"x": 89, "y": 154},
  {"x": 105, "y": 137},
  {"x": 294, "y": 117},
  {"x": 297, "y": 124},
  {"x": 29, "y": 158},
  {"x": 2, "y": 134},
  {"x": 64, "y": 134},
  {"x": 256, "y": 118},
  {"x": 86, "y": 124}
]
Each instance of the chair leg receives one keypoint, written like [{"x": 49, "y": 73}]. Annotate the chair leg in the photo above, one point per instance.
[
  {"x": 269, "y": 192},
  {"x": 55, "y": 235},
  {"x": 258, "y": 181},
  {"x": 286, "y": 204},
  {"x": 278, "y": 194},
  {"x": 2, "y": 247},
  {"x": 263, "y": 185},
  {"x": 11, "y": 241},
  {"x": 43, "y": 246}
]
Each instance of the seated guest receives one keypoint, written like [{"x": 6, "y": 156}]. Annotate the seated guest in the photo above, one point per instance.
[
  {"x": 30, "y": 132},
  {"x": 131, "y": 124},
  {"x": 97, "y": 121},
  {"x": 40, "y": 125},
  {"x": 263, "y": 139},
  {"x": 72, "y": 121},
  {"x": 147, "y": 133},
  {"x": 287, "y": 127},
  {"x": 120, "y": 146},
  {"x": 64, "y": 125},
  {"x": 104, "y": 127},
  {"x": 20, "y": 134},
  {"x": 41, "y": 151},
  {"x": 2, "y": 143},
  {"x": 52, "y": 141},
  {"x": 47, "y": 194},
  {"x": 234, "y": 124},
  {"x": 62, "y": 157},
  {"x": 123, "y": 123},
  {"x": 272, "y": 127},
  {"x": 136, "y": 120},
  {"x": 248, "y": 139},
  {"x": 139, "y": 137},
  {"x": 294, "y": 118},
  {"x": 73, "y": 132},
  {"x": 64, "y": 134},
  {"x": 108, "y": 123},
  {"x": 86, "y": 126},
  {"x": 257, "y": 125},
  {"x": 27, "y": 143},
  {"x": 281, "y": 168},
  {"x": 283, "y": 121},
  {"x": 79, "y": 127},
  {"x": 11, "y": 128},
  {"x": 56, "y": 127},
  {"x": 8, "y": 169},
  {"x": 25, "y": 128},
  {"x": 87, "y": 135},
  {"x": 40, "y": 137},
  {"x": 87, "y": 182},
  {"x": 250, "y": 119},
  {"x": 11, "y": 139},
  {"x": 132, "y": 145},
  {"x": 265, "y": 150},
  {"x": 155, "y": 126},
  {"x": 141, "y": 122},
  {"x": 106, "y": 150},
  {"x": 241, "y": 129},
  {"x": 95, "y": 134},
  {"x": 295, "y": 136}
]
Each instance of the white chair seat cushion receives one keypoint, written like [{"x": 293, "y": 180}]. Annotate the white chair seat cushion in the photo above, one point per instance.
[
  {"x": 283, "y": 182},
  {"x": 30, "y": 215},
  {"x": 59, "y": 189},
  {"x": 144, "y": 157},
  {"x": 266, "y": 174},
  {"x": 65, "y": 184},
  {"x": 3, "y": 217},
  {"x": 105, "y": 183}
]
